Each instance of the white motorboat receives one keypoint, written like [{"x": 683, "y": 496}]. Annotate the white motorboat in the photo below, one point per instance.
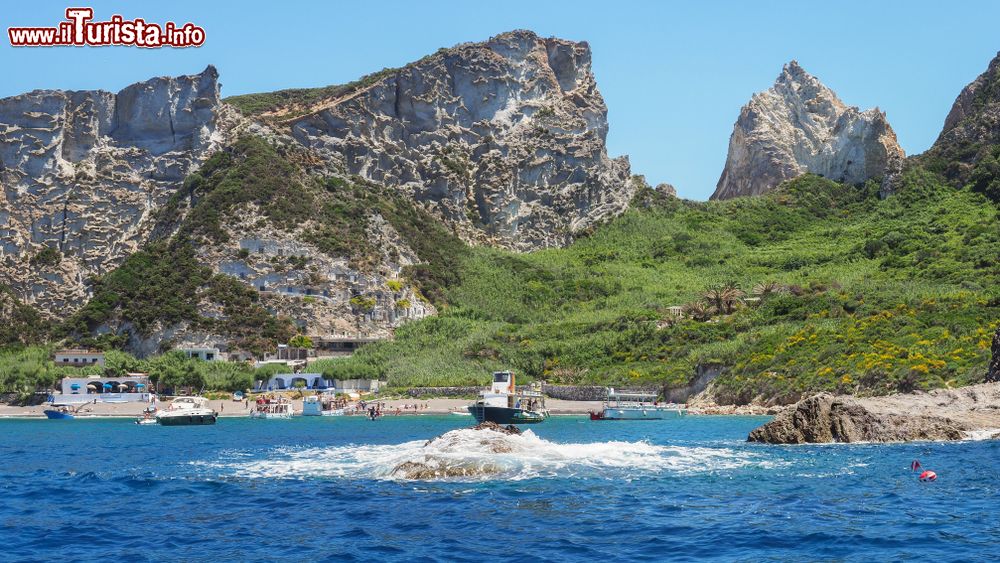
[
  {"x": 625, "y": 405},
  {"x": 187, "y": 411},
  {"x": 277, "y": 407},
  {"x": 323, "y": 405}
]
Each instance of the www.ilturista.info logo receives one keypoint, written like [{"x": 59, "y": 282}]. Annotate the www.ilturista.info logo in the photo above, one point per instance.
[{"x": 79, "y": 30}]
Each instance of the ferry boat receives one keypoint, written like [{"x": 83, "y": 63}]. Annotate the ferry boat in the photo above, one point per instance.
[
  {"x": 635, "y": 406},
  {"x": 278, "y": 407},
  {"x": 322, "y": 405},
  {"x": 187, "y": 411},
  {"x": 503, "y": 404}
]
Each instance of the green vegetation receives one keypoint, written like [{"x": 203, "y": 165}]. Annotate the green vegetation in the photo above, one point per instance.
[
  {"x": 818, "y": 286},
  {"x": 20, "y": 324},
  {"x": 47, "y": 256},
  {"x": 165, "y": 285},
  {"x": 25, "y": 370},
  {"x": 294, "y": 102}
]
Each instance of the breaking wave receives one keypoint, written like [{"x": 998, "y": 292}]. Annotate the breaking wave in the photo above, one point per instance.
[{"x": 485, "y": 454}]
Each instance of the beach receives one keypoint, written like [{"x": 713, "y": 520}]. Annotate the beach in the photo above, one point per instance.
[{"x": 230, "y": 408}]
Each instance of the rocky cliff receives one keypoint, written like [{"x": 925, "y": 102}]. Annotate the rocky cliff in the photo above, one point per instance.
[
  {"x": 504, "y": 140},
  {"x": 798, "y": 126},
  {"x": 971, "y": 132},
  {"x": 941, "y": 414},
  {"x": 83, "y": 171}
]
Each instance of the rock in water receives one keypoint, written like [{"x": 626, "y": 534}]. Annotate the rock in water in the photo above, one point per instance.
[
  {"x": 798, "y": 126},
  {"x": 504, "y": 139},
  {"x": 825, "y": 418},
  {"x": 510, "y": 429}
]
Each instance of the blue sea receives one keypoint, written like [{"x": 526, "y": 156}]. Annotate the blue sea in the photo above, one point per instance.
[{"x": 568, "y": 490}]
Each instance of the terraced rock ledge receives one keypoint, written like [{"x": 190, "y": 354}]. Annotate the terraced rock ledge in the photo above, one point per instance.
[{"x": 942, "y": 414}]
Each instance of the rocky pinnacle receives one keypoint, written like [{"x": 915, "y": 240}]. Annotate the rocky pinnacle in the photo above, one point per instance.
[{"x": 799, "y": 126}]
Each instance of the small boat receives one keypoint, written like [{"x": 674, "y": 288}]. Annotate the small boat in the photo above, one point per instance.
[
  {"x": 634, "y": 405},
  {"x": 278, "y": 407},
  {"x": 187, "y": 411},
  {"x": 58, "y": 414},
  {"x": 503, "y": 404},
  {"x": 148, "y": 416}
]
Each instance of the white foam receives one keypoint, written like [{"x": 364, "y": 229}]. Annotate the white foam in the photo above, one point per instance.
[
  {"x": 981, "y": 434},
  {"x": 490, "y": 455}
]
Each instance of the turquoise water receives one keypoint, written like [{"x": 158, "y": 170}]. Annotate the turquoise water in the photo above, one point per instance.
[{"x": 322, "y": 489}]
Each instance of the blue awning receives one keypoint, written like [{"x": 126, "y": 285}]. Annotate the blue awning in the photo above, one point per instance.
[
  {"x": 74, "y": 386},
  {"x": 140, "y": 384},
  {"x": 107, "y": 386}
]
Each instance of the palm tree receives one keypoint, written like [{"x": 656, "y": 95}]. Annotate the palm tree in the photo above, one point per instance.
[
  {"x": 765, "y": 289},
  {"x": 732, "y": 296},
  {"x": 715, "y": 298},
  {"x": 698, "y": 311}
]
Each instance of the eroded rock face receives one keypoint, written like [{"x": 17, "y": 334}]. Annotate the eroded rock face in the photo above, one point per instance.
[
  {"x": 82, "y": 173},
  {"x": 798, "y": 126},
  {"x": 972, "y": 127},
  {"x": 504, "y": 139},
  {"x": 825, "y": 418}
]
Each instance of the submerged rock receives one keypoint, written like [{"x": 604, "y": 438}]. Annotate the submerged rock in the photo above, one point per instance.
[
  {"x": 461, "y": 453},
  {"x": 827, "y": 418}
]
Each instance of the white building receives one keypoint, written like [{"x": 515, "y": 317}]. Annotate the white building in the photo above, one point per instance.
[
  {"x": 79, "y": 358},
  {"x": 133, "y": 387},
  {"x": 316, "y": 381},
  {"x": 207, "y": 354}
]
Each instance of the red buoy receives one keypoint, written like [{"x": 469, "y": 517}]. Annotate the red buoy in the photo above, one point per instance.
[{"x": 928, "y": 476}]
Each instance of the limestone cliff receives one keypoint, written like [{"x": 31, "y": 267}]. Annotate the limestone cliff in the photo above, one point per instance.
[
  {"x": 798, "y": 126},
  {"x": 972, "y": 129},
  {"x": 505, "y": 139},
  {"x": 81, "y": 173}
]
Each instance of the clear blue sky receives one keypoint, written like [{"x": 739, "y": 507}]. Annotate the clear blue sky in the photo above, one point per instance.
[{"x": 674, "y": 75}]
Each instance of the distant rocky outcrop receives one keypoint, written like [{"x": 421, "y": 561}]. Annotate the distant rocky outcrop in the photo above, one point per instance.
[
  {"x": 941, "y": 414},
  {"x": 972, "y": 128},
  {"x": 993, "y": 374},
  {"x": 798, "y": 126},
  {"x": 82, "y": 173},
  {"x": 504, "y": 140}
]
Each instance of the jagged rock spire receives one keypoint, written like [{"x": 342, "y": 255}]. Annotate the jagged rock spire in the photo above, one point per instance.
[{"x": 797, "y": 126}]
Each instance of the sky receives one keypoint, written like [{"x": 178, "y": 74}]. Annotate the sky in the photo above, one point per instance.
[{"x": 674, "y": 75}]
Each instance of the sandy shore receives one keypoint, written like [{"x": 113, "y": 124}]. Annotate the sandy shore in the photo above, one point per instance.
[{"x": 229, "y": 408}]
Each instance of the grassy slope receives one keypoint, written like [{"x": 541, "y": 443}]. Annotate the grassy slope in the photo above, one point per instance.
[{"x": 885, "y": 295}]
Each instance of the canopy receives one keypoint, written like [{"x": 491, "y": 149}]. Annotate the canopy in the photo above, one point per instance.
[
  {"x": 122, "y": 386},
  {"x": 92, "y": 386},
  {"x": 74, "y": 386},
  {"x": 107, "y": 386},
  {"x": 140, "y": 384}
]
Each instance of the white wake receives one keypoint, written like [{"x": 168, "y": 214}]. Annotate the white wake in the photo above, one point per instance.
[{"x": 484, "y": 454}]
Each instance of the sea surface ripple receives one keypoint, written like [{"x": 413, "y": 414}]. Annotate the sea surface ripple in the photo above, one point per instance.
[{"x": 569, "y": 489}]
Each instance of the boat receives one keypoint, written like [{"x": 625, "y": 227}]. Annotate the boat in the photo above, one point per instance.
[
  {"x": 503, "y": 404},
  {"x": 277, "y": 407},
  {"x": 148, "y": 416},
  {"x": 187, "y": 411},
  {"x": 635, "y": 405},
  {"x": 323, "y": 405},
  {"x": 58, "y": 414}
]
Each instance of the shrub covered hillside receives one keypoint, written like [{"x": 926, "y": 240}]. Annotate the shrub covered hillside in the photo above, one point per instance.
[{"x": 817, "y": 286}]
